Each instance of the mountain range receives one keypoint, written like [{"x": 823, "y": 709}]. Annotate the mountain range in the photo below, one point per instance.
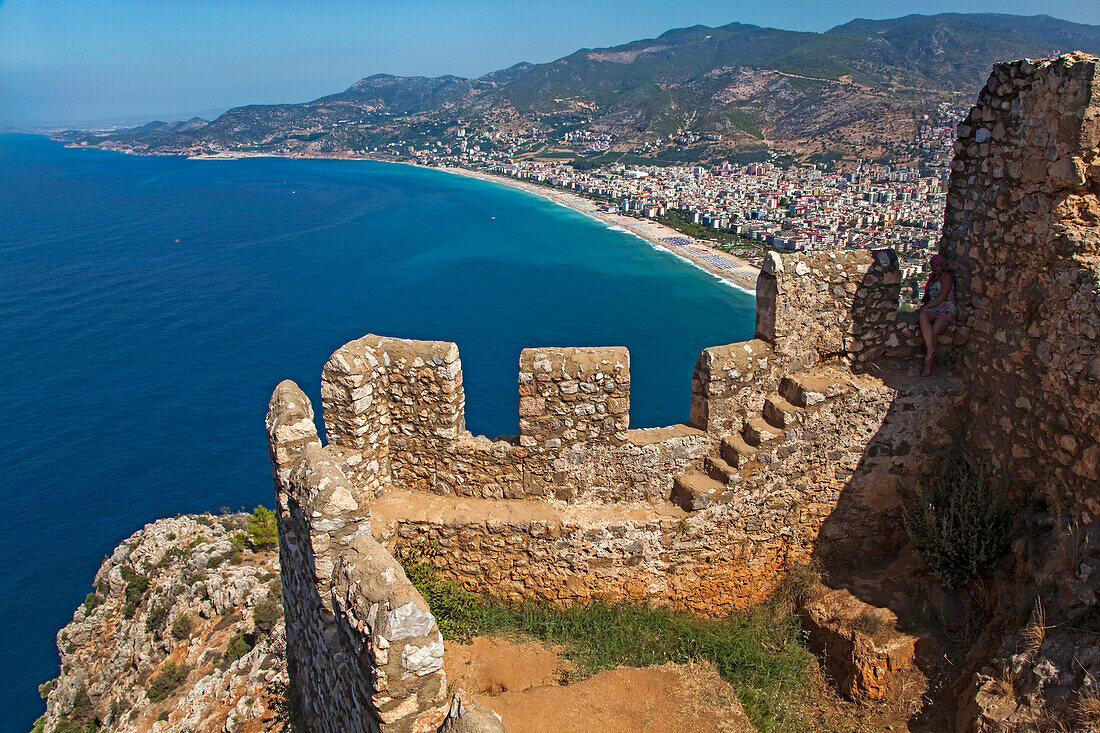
[{"x": 694, "y": 93}]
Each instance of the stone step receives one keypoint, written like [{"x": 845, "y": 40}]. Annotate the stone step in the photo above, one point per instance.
[
  {"x": 758, "y": 431},
  {"x": 804, "y": 390},
  {"x": 735, "y": 451},
  {"x": 721, "y": 471},
  {"x": 780, "y": 413},
  {"x": 693, "y": 491}
]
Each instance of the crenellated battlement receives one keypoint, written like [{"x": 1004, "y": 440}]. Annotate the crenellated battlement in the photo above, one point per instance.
[{"x": 799, "y": 442}]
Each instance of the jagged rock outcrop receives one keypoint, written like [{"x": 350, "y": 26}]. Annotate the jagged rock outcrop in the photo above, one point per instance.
[{"x": 183, "y": 632}]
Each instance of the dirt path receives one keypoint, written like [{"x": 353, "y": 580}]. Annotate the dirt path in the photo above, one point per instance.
[{"x": 524, "y": 682}]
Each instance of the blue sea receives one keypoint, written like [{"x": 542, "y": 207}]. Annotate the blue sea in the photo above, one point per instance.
[{"x": 148, "y": 306}]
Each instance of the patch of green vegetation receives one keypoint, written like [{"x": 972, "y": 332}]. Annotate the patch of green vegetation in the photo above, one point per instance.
[
  {"x": 263, "y": 530},
  {"x": 182, "y": 626},
  {"x": 200, "y": 540},
  {"x": 154, "y": 620},
  {"x": 758, "y": 651},
  {"x": 67, "y": 725},
  {"x": 745, "y": 123},
  {"x": 266, "y": 614},
  {"x": 227, "y": 621},
  {"x": 136, "y": 585},
  {"x": 958, "y": 519},
  {"x": 682, "y": 155},
  {"x": 91, "y": 600},
  {"x": 825, "y": 157},
  {"x": 239, "y": 645},
  {"x": 171, "y": 676},
  {"x": 46, "y": 688}
]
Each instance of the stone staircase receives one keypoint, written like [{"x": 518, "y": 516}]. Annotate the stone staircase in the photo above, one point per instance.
[{"x": 715, "y": 481}]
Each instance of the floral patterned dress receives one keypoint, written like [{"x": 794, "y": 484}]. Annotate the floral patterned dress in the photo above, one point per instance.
[{"x": 947, "y": 309}]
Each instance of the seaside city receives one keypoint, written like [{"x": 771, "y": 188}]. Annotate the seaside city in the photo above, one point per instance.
[{"x": 736, "y": 213}]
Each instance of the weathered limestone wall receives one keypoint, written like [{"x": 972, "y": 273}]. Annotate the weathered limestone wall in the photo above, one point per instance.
[
  {"x": 730, "y": 382},
  {"x": 356, "y": 415},
  {"x": 395, "y": 414},
  {"x": 822, "y": 305},
  {"x": 363, "y": 649},
  {"x": 1022, "y": 235},
  {"x": 833, "y": 477},
  {"x": 573, "y": 395}
]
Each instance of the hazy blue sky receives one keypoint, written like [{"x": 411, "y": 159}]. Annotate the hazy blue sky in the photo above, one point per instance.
[{"x": 68, "y": 61}]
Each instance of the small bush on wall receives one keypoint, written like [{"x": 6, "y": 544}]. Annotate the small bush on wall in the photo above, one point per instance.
[{"x": 958, "y": 520}]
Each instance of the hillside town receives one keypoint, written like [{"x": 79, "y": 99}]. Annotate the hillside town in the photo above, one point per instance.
[{"x": 749, "y": 208}]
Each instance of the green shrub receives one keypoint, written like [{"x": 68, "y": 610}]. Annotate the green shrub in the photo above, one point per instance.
[
  {"x": 182, "y": 626},
  {"x": 227, "y": 621},
  {"x": 67, "y": 725},
  {"x": 199, "y": 540},
  {"x": 136, "y": 585},
  {"x": 46, "y": 688},
  {"x": 958, "y": 520},
  {"x": 154, "y": 620},
  {"x": 239, "y": 645},
  {"x": 129, "y": 610},
  {"x": 82, "y": 715},
  {"x": 266, "y": 614},
  {"x": 91, "y": 600},
  {"x": 263, "y": 530},
  {"x": 171, "y": 676},
  {"x": 40, "y": 724}
]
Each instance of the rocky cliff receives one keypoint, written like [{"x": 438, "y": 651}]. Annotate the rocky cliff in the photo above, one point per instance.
[{"x": 183, "y": 632}]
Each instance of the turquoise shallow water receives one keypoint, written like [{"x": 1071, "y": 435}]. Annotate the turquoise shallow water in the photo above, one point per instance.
[{"x": 150, "y": 305}]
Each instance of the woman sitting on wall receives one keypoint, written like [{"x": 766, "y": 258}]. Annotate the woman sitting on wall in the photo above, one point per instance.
[{"x": 939, "y": 308}]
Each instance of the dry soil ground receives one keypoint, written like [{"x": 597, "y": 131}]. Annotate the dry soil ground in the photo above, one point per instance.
[{"x": 531, "y": 686}]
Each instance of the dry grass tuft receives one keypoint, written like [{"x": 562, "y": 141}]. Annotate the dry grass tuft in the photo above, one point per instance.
[
  {"x": 1004, "y": 684},
  {"x": 1035, "y": 632},
  {"x": 1087, "y": 709},
  {"x": 869, "y": 622}
]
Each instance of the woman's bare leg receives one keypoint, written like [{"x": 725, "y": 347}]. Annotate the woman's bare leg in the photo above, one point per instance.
[
  {"x": 926, "y": 332},
  {"x": 937, "y": 327}
]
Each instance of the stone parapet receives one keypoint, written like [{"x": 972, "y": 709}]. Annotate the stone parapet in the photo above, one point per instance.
[
  {"x": 831, "y": 484},
  {"x": 821, "y": 305},
  {"x": 356, "y": 414},
  {"x": 573, "y": 395},
  {"x": 363, "y": 649},
  {"x": 729, "y": 383}
]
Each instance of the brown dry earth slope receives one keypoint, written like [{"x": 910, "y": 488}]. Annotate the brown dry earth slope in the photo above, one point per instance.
[{"x": 524, "y": 682}]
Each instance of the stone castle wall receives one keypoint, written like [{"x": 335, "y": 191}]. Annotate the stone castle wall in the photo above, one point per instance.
[
  {"x": 1022, "y": 235},
  {"x": 835, "y": 476},
  {"x": 593, "y": 517},
  {"x": 822, "y": 305},
  {"x": 363, "y": 649},
  {"x": 799, "y": 441}
]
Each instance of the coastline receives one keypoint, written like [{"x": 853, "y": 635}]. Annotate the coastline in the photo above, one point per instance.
[
  {"x": 734, "y": 271},
  {"x": 740, "y": 274}
]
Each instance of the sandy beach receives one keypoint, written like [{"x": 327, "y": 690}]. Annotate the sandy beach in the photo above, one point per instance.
[{"x": 732, "y": 269}]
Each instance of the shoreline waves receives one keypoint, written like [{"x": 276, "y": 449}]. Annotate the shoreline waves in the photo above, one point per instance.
[{"x": 741, "y": 274}]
